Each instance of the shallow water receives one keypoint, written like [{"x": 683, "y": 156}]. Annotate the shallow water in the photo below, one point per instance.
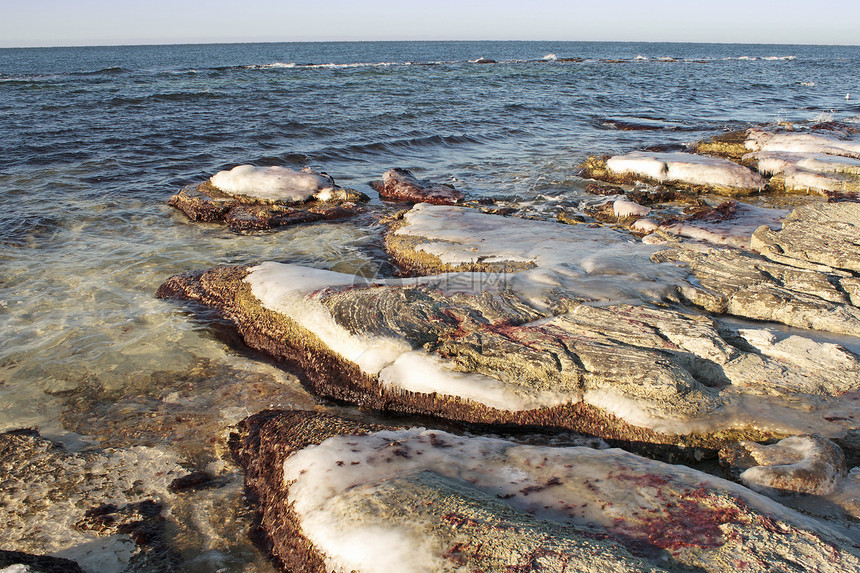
[{"x": 95, "y": 140}]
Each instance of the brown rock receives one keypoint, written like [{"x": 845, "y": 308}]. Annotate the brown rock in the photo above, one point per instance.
[{"x": 401, "y": 185}]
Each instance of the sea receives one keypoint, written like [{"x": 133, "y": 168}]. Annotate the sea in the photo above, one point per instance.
[{"x": 94, "y": 140}]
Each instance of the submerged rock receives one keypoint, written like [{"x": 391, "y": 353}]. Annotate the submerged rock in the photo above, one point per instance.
[
  {"x": 255, "y": 198},
  {"x": 18, "y": 562},
  {"x": 807, "y": 464},
  {"x": 343, "y": 496},
  {"x": 95, "y": 508},
  {"x": 583, "y": 336},
  {"x": 401, "y": 185}
]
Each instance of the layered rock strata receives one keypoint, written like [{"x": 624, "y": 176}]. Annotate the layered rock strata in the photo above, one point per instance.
[
  {"x": 401, "y": 185},
  {"x": 585, "y": 332},
  {"x": 341, "y": 496},
  {"x": 250, "y": 198}
]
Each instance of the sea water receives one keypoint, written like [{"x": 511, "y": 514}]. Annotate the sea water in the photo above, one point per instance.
[{"x": 95, "y": 140}]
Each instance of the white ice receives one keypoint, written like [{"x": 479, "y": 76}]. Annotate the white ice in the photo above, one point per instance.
[
  {"x": 735, "y": 231},
  {"x": 271, "y": 183},
  {"x": 596, "y": 489},
  {"x": 626, "y": 208},
  {"x": 759, "y": 140},
  {"x": 685, "y": 168}
]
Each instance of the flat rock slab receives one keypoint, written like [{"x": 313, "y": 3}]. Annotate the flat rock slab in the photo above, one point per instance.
[
  {"x": 749, "y": 286},
  {"x": 822, "y": 236},
  {"x": 480, "y": 347},
  {"x": 243, "y": 210},
  {"x": 401, "y": 185},
  {"x": 334, "y": 495}
]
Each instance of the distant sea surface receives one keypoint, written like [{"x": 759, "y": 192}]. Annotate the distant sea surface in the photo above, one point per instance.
[{"x": 93, "y": 141}]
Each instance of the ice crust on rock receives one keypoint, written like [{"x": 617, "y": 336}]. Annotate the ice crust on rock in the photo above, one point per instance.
[
  {"x": 686, "y": 168},
  {"x": 588, "y": 321},
  {"x": 587, "y": 263},
  {"x": 760, "y": 140},
  {"x": 807, "y": 464},
  {"x": 273, "y": 183},
  {"x": 626, "y": 208},
  {"x": 416, "y": 495}
]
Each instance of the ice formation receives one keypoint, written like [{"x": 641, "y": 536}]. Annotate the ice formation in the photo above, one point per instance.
[
  {"x": 759, "y": 140},
  {"x": 800, "y": 464},
  {"x": 626, "y": 208},
  {"x": 735, "y": 230},
  {"x": 272, "y": 183},
  {"x": 347, "y": 492},
  {"x": 685, "y": 168}
]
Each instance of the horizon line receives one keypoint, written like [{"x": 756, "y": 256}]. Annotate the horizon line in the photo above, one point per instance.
[{"x": 236, "y": 42}]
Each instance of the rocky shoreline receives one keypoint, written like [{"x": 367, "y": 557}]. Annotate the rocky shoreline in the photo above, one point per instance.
[{"x": 700, "y": 309}]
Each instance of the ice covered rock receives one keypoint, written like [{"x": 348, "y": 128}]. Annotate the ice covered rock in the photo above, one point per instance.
[
  {"x": 401, "y": 185},
  {"x": 824, "y": 236},
  {"x": 493, "y": 348},
  {"x": 685, "y": 170},
  {"x": 807, "y": 464},
  {"x": 730, "y": 223},
  {"x": 274, "y": 183},
  {"x": 336, "y": 495},
  {"x": 808, "y": 172},
  {"x": 251, "y": 198},
  {"x": 800, "y": 142},
  {"x": 625, "y": 208}
]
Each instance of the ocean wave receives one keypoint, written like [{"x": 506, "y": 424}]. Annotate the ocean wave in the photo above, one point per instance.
[
  {"x": 101, "y": 72},
  {"x": 550, "y": 57},
  {"x": 333, "y": 66}
]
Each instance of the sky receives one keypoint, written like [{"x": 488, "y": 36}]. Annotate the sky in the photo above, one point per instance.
[{"x": 112, "y": 22}]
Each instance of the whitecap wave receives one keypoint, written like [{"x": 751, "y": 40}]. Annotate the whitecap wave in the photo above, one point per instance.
[{"x": 550, "y": 57}]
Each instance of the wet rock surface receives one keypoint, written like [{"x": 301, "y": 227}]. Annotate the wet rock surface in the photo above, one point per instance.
[
  {"x": 442, "y": 502},
  {"x": 401, "y": 185},
  {"x": 69, "y": 504},
  {"x": 567, "y": 342},
  {"x": 243, "y": 210},
  {"x": 114, "y": 510},
  {"x": 806, "y": 464}
]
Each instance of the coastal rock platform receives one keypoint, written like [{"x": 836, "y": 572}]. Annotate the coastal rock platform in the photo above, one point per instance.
[
  {"x": 540, "y": 324},
  {"x": 339, "y": 495},
  {"x": 251, "y": 199}
]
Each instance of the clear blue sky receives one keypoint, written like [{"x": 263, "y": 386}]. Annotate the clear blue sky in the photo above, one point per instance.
[{"x": 105, "y": 22}]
